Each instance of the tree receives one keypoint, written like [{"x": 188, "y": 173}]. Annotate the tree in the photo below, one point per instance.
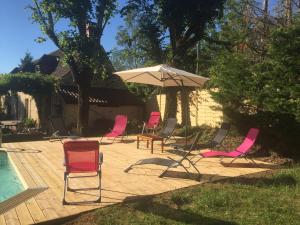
[
  {"x": 26, "y": 59},
  {"x": 185, "y": 23},
  {"x": 80, "y": 41},
  {"x": 140, "y": 44},
  {"x": 255, "y": 87}
]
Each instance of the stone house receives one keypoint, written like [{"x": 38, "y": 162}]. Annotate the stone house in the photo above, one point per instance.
[{"x": 107, "y": 98}]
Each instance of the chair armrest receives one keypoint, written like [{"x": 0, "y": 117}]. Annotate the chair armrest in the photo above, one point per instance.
[{"x": 100, "y": 158}]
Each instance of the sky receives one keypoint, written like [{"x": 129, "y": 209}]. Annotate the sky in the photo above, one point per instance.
[{"x": 18, "y": 34}]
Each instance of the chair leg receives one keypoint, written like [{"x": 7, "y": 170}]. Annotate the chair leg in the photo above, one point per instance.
[
  {"x": 252, "y": 160},
  {"x": 179, "y": 163},
  {"x": 100, "y": 185},
  {"x": 101, "y": 139},
  {"x": 163, "y": 173},
  {"x": 64, "y": 202},
  {"x": 233, "y": 160},
  {"x": 130, "y": 167},
  {"x": 221, "y": 158}
]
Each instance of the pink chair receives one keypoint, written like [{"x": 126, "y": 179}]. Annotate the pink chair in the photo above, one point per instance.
[
  {"x": 241, "y": 151},
  {"x": 152, "y": 123},
  {"x": 82, "y": 157},
  {"x": 118, "y": 129}
]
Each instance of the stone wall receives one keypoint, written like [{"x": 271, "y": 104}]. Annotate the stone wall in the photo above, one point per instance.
[
  {"x": 96, "y": 112},
  {"x": 23, "y": 106},
  {"x": 69, "y": 111},
  {"x": 203, "y": 109}
]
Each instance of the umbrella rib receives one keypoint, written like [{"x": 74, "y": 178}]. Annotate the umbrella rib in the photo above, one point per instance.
[
  {"x": 193, "y": 80},
  {"x": 173, "y": 79},
  {"x": 133, "y": 77},
  {"x": 142, "y": 74},
  {"x": 190, "y": 79}
]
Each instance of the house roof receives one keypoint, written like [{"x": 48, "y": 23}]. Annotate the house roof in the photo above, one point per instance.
[
  {"x": 51, "y": 64},
  {"x": 109, "y": 92},
  {"x": 106, "y": 97}
]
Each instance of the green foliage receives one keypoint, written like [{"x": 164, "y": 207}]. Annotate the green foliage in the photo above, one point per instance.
[
  {"x": 79, "y": 40},
  {"x": 26, "y": 59},
  {"x": 30, "y": 83},
  {"x": 232, "y": 75},
  {"x": 145, "y": 92},
  {"x": 269, "y": 85},
  {"x": 254, "y": 64},
  {"x": 279, "y": 73},
  {"x": 82, "y": 49},
  {"x": 158, "y": 32},
  {"x": 140, "y": 44},
  {"x": 29, "y": 123}
]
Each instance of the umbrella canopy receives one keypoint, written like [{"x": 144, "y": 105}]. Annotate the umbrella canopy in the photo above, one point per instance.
[{"x": 163, "y": 76}]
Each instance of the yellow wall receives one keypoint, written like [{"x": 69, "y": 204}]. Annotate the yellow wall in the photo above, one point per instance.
[
  {"x": 32, "y": 109},
  {"x": 203, "y": 109}
]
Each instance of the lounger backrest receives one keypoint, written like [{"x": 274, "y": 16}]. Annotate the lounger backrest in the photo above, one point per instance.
[
  {"x": 221, "y": 134},
  {"x": 248, "y": 141},
  {"x": 153, "y": 120},
  {"x": 195, "y": 141},
  {"x": 170, "y": 126},
  {"x": 120, "y": 124},
  {"x": 81, "y": 156}
]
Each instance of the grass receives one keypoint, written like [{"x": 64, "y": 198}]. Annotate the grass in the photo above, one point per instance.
[{"x": 272, "y": 199}]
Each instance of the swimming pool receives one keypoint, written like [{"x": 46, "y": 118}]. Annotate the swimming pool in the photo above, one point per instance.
[{"x": 10, "y": 184}]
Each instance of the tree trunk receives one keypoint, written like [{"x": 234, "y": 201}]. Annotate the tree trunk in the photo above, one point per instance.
[
  {"x": 288, "y": 12},
  {"x": 83, "y": 109},
  {"x": 171, "y": 103},
  {"x": 266, "y": 6},
  {"x": 185, "y": 107},
  {"x": 43, "y": 108}
]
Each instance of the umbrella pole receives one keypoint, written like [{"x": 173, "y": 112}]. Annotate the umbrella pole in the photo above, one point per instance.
[
  {"x": 186, "y": 119},
  {"x": 185, "y": 129},
  {"x": 160, "y": 99}
]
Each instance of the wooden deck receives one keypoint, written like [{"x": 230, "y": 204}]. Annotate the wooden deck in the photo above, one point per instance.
[{"x": 43, "y": 161}]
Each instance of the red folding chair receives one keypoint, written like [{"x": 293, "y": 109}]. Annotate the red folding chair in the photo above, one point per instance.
[
  {"x": 152, "y": 123},
  {"x": 82, "y": 157}
]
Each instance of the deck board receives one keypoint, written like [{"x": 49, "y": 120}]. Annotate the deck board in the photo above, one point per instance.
[{"x": 43, "y": 163}]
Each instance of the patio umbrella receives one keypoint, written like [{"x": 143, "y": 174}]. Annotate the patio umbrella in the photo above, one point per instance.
[{"x": 163, "y": 76}]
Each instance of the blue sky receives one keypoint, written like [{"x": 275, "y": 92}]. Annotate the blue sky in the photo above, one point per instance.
[{"x": 18, "y": 34}]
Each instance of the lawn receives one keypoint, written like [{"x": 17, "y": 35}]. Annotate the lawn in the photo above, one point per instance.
[{"x": 272, "y": 199}]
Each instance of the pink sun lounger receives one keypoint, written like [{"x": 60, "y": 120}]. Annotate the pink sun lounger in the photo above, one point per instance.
[
  {"x": 240, "y": 151},
  {"x": 152, "y": 123},
  {"x": 119, "y": 127}
]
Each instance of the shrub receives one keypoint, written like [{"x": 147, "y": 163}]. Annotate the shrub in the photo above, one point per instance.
[{"x": 29, "y": 123}]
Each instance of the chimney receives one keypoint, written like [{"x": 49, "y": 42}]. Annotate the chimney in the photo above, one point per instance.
[{"x": 90, "y": 29}]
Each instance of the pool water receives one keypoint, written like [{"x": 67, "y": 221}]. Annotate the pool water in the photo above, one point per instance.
[{"x": 10, "y": 183}]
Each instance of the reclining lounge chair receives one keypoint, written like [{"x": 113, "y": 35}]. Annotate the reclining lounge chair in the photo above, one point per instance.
[
  {"x": 240, "y": 152},
  {"x": 170, "y": 163},
  {"x": 168, "y": 130},
  {"x": 152, "y": 123},
  {"x": 119, "y": 128}
]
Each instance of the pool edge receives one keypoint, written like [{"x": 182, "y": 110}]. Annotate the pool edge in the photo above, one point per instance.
[{"x": 32, "y": 183}]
